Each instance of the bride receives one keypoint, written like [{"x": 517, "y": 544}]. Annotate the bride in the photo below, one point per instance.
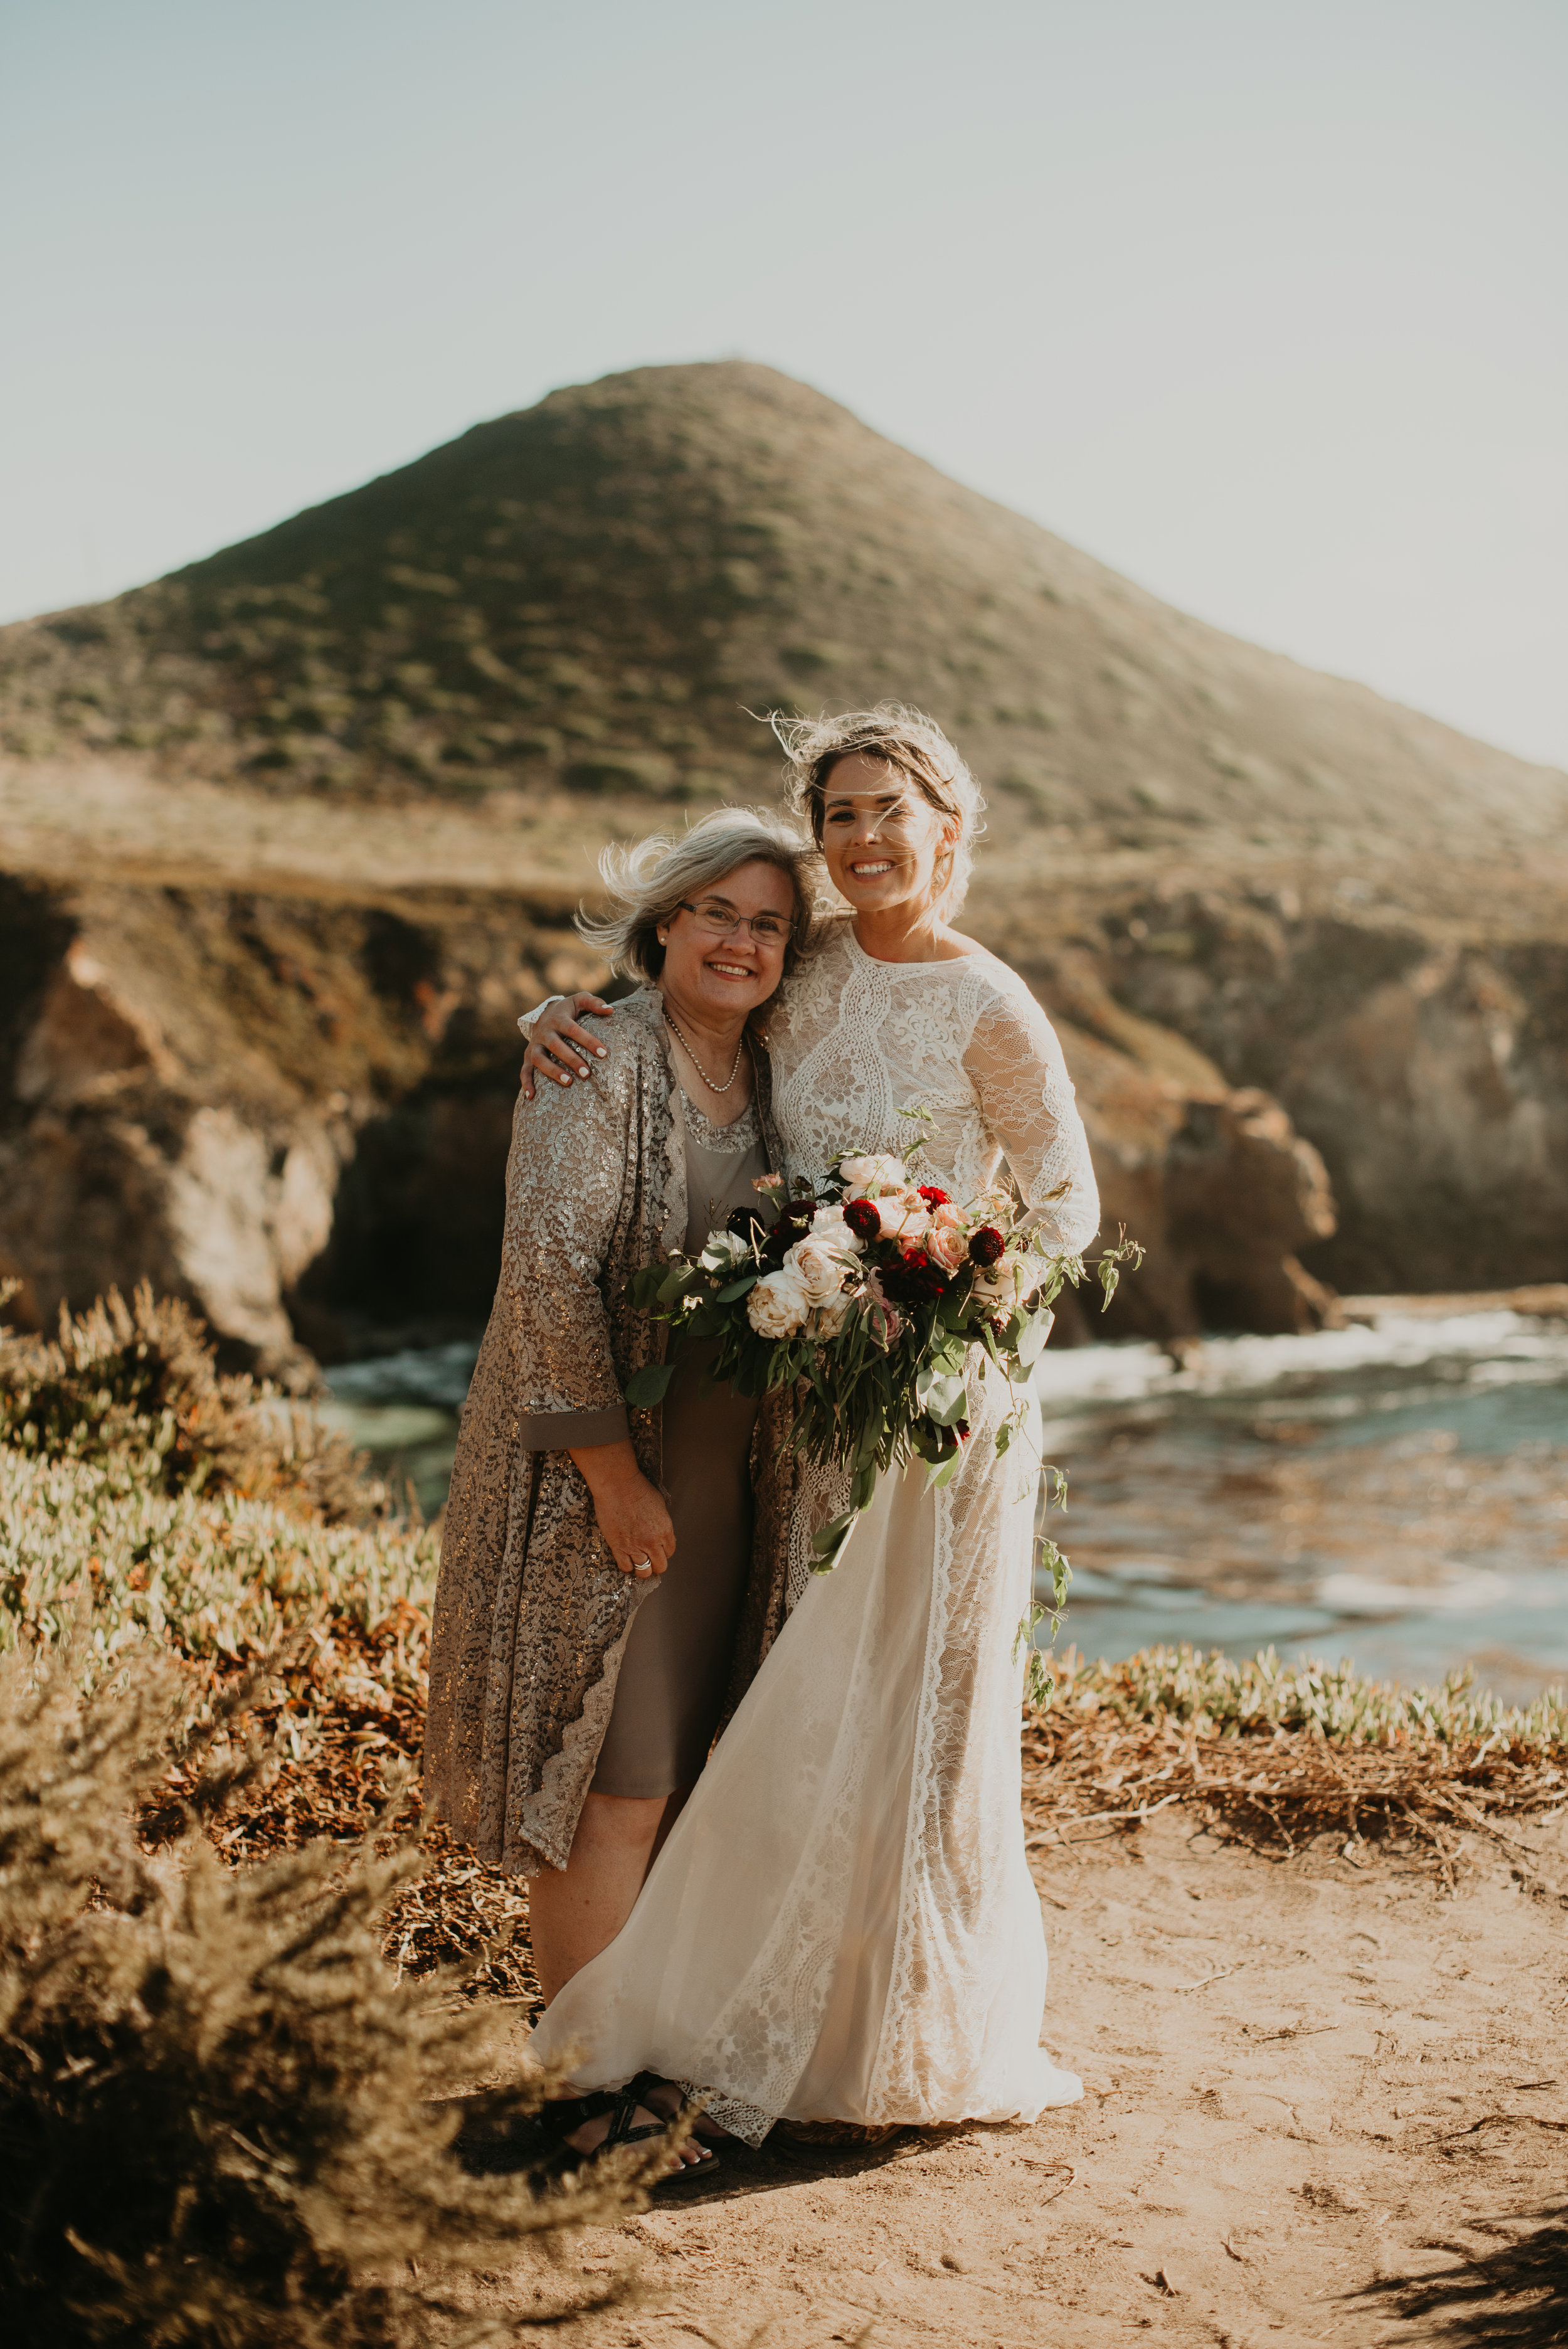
[{"x": 842, "y": 1925}]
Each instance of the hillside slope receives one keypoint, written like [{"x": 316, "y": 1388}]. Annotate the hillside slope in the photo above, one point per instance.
[{"x": 584, "y": 600}]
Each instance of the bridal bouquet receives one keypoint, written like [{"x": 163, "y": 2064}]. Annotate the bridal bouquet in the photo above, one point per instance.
[{"x": 869, "y": 1292}]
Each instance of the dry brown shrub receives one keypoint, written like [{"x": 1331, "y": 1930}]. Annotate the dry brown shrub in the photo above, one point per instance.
[
  {"x": 222, "y": 2116},
  {"x": 141, "y": 1378}
]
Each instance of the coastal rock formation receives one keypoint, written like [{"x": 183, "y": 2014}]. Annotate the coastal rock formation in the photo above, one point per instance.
[
  {"x": 293, "y": 1110},
  {"x": 1215, "y": 1183},
  {"x": 1427, "y": 1058}
]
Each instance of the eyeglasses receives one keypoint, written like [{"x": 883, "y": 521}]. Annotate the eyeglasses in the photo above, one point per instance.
[{"x": 715, "y": 919}]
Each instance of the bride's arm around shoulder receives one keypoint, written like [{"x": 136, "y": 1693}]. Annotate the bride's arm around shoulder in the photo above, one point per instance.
[{"x": 1014, "y": 1059}]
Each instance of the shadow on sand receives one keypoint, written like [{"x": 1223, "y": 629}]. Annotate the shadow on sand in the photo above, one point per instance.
[
  {"x": 1517, "y": 2295},
  {"x": 493, "y": 2142}
]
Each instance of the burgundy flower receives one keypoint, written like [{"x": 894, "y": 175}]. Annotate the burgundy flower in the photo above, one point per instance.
[
  {"x": 986, "y": 1245},
  {"x": 915, "y": 1279},
  {"x": 935, "y": 1196},
  {"x": 862, "y": 1217}
]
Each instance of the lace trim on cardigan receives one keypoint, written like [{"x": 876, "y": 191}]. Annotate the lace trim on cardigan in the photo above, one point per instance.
[{"x": 549, "y": 1816}]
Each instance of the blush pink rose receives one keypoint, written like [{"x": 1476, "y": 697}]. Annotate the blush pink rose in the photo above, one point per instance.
[
  {"x": 947, "y": 1241},
  {"x": 904, "y": 1216}
]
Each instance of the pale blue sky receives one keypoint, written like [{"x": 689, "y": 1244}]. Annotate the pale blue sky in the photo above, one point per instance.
[{"x": 1261, "y": 303}]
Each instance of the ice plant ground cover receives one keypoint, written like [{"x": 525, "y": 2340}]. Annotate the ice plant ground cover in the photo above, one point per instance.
[{"x": 869, "y": 1294}]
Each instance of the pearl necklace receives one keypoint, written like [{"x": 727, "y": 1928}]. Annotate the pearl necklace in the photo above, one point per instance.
[{"x": 697, "y": 1065}]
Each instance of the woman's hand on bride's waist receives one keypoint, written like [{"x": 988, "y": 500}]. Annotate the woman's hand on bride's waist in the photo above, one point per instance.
[{"x": 558, "y": 1048}]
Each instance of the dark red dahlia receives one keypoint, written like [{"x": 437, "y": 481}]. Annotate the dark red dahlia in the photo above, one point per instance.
[
  {"x": 913, "y": 1279},
  {"x": 934, "y": 1196},
  {"x": 986, "y": 1245},
  {"x": 862, "y": 1217}
]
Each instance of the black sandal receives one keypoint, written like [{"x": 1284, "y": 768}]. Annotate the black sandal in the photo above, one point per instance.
[
  {"x": 566, "y": 2114},
  {"x": 633, "y": 2094},
  {"x": 561, "y": 2116}
]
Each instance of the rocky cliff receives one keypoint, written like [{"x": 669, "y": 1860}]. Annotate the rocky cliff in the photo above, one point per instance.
[
  {"x": 1414, "y": 1026},
  {"x": 293, "y": 1109}
]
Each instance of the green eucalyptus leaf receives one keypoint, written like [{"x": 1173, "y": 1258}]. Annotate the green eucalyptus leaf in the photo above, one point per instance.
[
  {"x": 947, "y": 1401},
  {"x": 828, "y": 1546},
  {"x": 649, "y": 1385},
  {"x": 1032, "y": 1337},
  {"x": 733, "y": 1288}
]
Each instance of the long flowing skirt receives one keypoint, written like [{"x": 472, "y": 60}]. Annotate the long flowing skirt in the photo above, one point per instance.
[{"x": 842, "y": 1924}]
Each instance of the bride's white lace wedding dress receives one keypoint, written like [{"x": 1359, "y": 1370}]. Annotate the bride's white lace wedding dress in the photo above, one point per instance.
[{"x": 842, "y": 1924}]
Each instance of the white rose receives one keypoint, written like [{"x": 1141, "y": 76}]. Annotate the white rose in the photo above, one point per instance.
[
  {"x": 724, "y": 1251},
  {"x": 819, "y": 1267},
  {"x": 1002, "y": 1284},
  {"x": 778, "y": 1306},
  {"x": 904, "y": 1217},
  {"x": 870, "y": 1176},
  {"x": 828, "y": 1318},
  {"x": 827, "y": 1224}
]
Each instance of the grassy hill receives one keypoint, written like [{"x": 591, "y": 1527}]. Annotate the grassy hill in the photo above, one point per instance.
[{"x": 583, "y": 601}]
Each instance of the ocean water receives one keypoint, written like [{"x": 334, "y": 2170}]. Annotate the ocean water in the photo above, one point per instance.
[{"x": 1395, "y": 1492}]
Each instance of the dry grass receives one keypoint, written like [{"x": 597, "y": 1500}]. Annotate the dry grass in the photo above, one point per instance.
[
  {"x": 137, "y": 1381},
  {"x": 1280, "y": 1755}
]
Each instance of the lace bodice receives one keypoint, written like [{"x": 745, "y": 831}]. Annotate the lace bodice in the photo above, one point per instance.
[{"x": 853, "y": 1041}]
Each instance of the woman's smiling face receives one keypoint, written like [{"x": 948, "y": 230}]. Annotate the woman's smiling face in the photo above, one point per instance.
[
  {"x": 883, "y": 840},
  {"x": 715, "y": 977}
]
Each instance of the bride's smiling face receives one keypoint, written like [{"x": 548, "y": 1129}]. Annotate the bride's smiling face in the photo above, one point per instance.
[{"x": 883, "y": 840}]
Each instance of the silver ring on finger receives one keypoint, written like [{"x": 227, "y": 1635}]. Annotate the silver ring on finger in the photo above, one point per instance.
[{"x": 642, "y": 1565}]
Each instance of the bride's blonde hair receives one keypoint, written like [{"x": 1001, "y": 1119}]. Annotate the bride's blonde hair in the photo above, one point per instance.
[{"x": 902, "y": 738}]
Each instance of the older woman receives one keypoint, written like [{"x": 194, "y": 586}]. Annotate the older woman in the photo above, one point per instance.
[{"x": 611, "y": 1579}]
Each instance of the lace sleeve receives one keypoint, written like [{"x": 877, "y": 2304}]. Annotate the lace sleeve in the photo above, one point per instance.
[
  {"x": 526, "y": 1018},
  {"x": 1015, "y": 1063}
]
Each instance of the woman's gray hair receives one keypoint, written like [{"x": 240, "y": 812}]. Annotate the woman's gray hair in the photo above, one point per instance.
[
  {"x": 902, "y": 738},
  {"x": 647, "y": 884}
]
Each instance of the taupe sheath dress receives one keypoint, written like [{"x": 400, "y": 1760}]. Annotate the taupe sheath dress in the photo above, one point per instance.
[{"x": 676, "y": 1669}]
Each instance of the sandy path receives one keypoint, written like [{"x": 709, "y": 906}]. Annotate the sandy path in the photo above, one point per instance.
[{"x": 1307, "y": 2075}]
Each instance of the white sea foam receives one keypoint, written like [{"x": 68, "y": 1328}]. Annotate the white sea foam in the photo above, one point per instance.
[{"x": 1494, "y": 1348}]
